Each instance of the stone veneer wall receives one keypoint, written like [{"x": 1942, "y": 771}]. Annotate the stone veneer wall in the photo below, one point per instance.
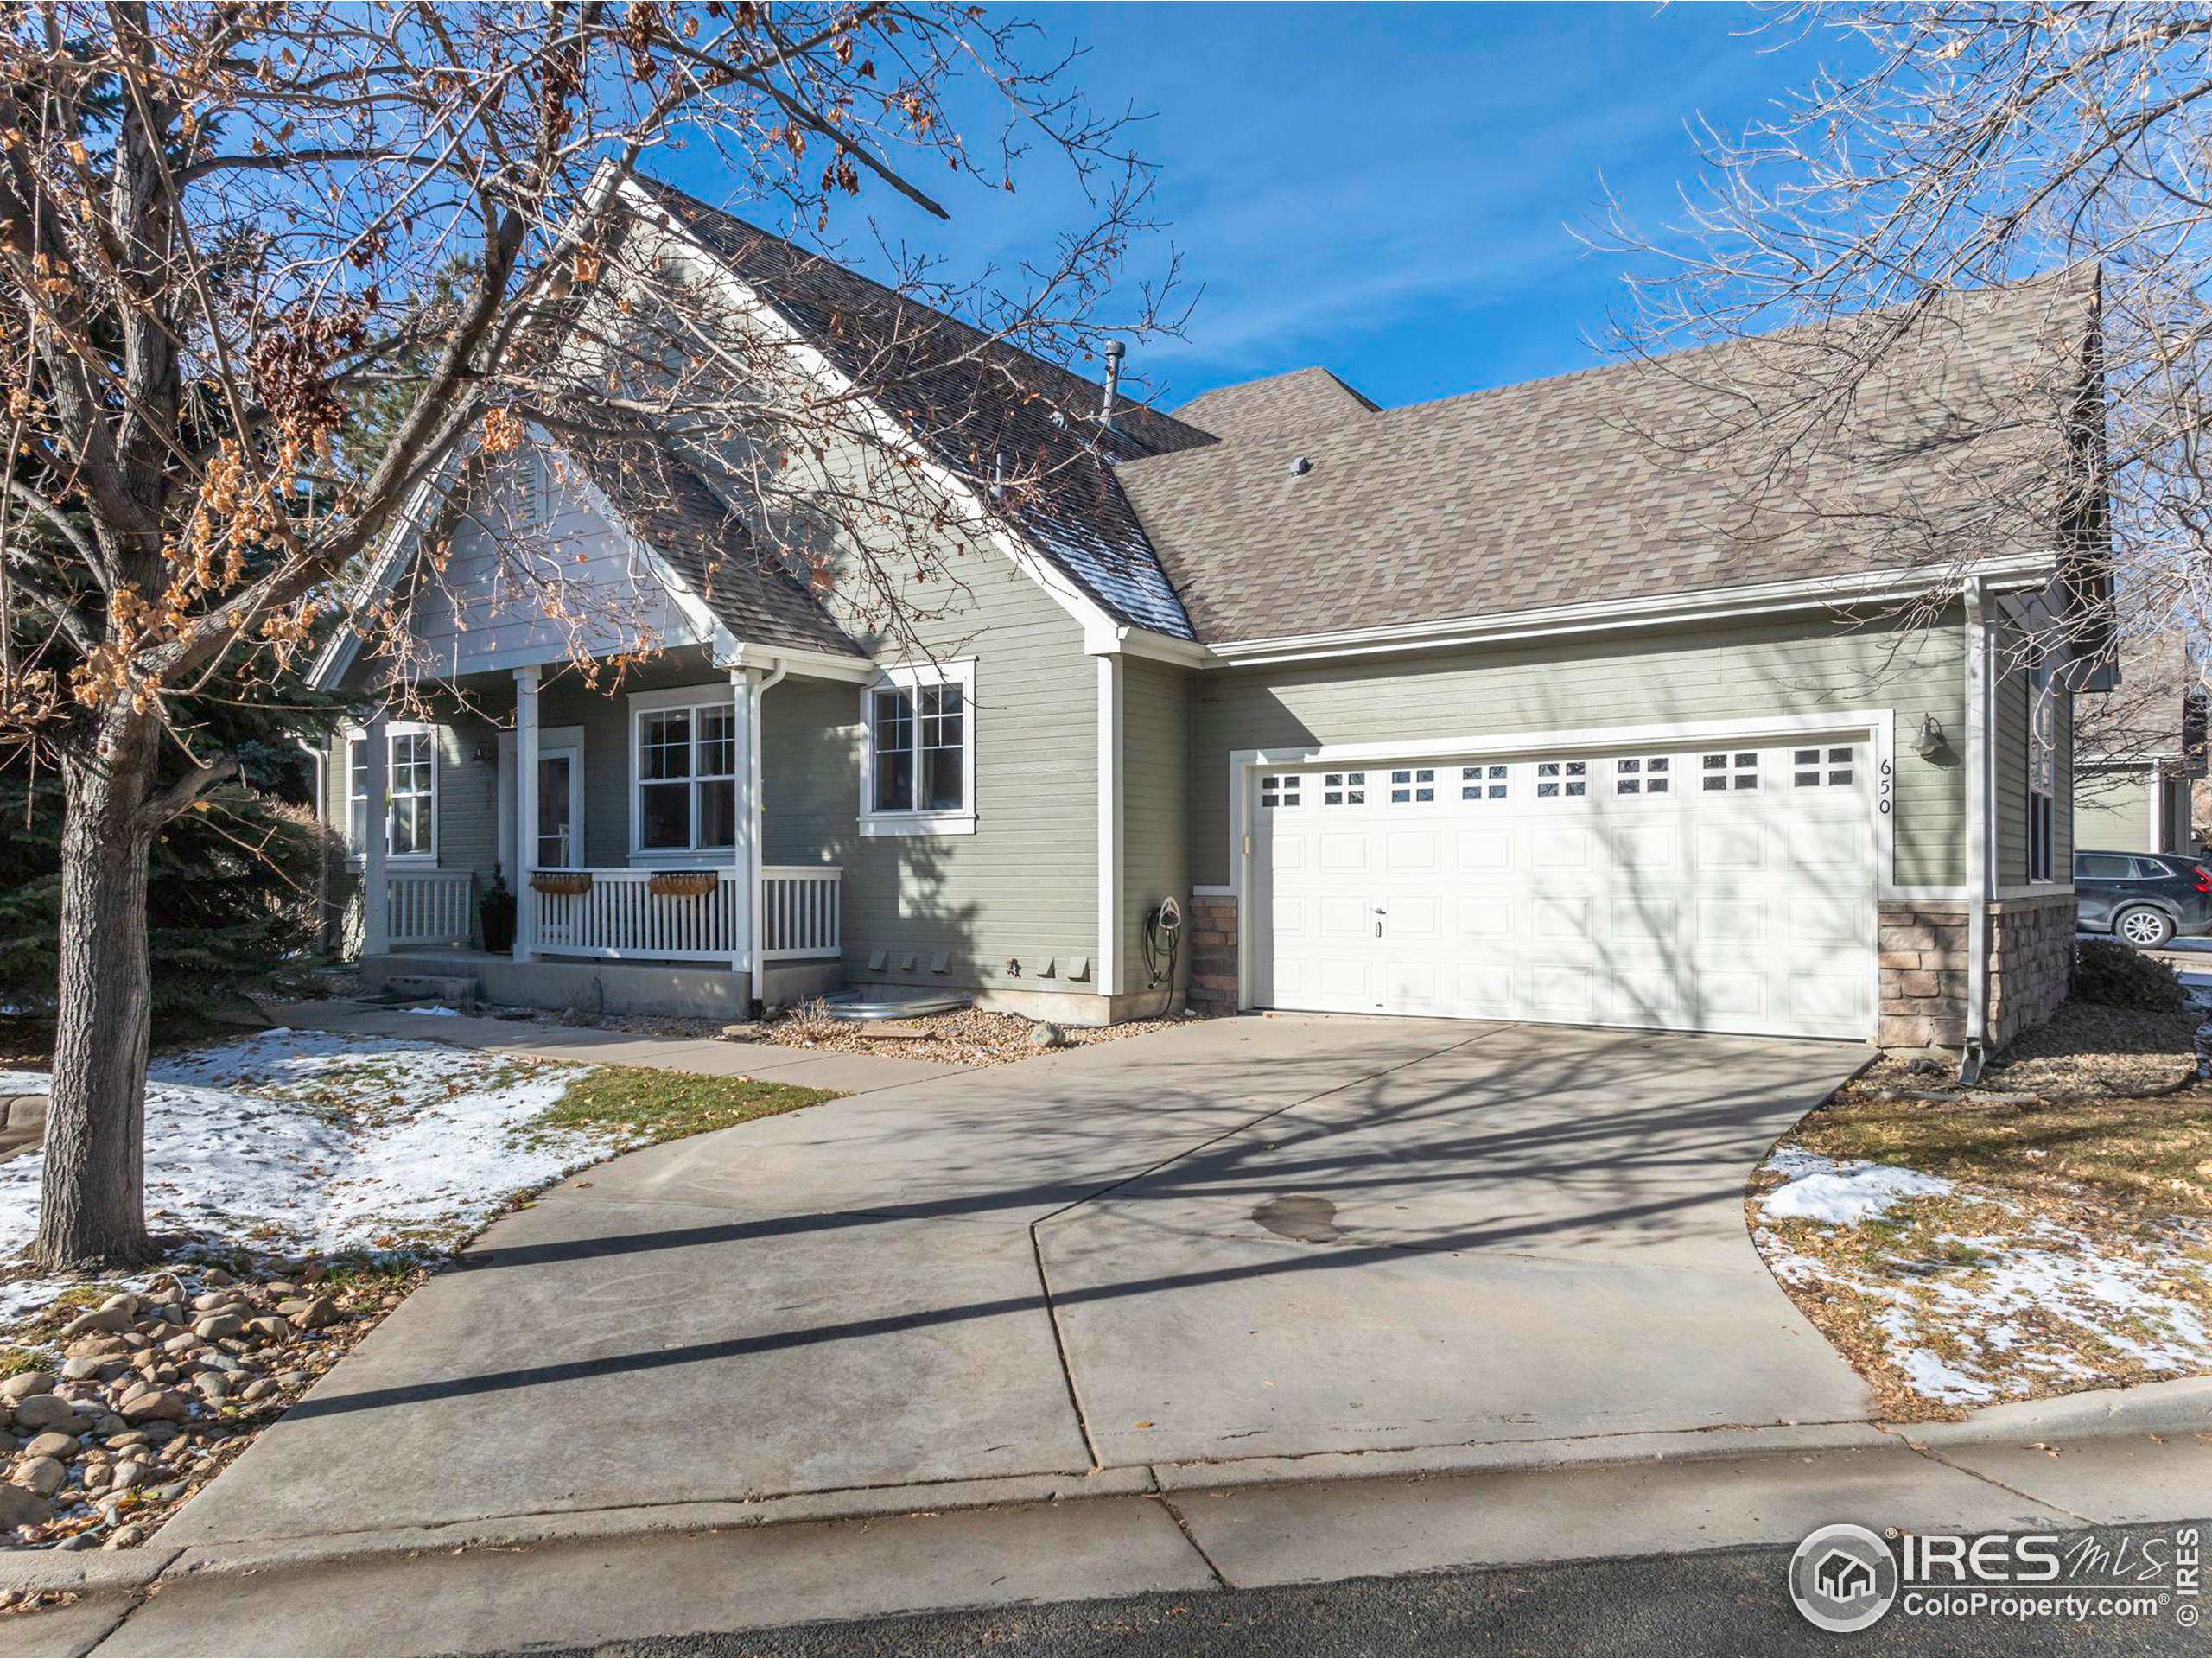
[
  {"x": 1213, "y": 953},
  {"x": 1924, "y": 970}
]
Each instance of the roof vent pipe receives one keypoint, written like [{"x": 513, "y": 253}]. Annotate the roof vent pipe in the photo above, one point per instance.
[{"x": 1115, "y": 348}]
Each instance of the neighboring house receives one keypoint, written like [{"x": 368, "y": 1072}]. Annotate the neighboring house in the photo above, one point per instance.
[
  {"x": 2142, "y": 750},
  {"x": 1462, "y": 709}
]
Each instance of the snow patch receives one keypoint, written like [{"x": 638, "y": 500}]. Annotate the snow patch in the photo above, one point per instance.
[
  {"x": 1839, "y": 1194},
  {"x": 310, "y": 1141},
  {"x": 441, "y": 1012}
]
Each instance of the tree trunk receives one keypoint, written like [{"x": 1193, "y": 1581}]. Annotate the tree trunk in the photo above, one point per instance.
[{"x": 93, "y": 1211}]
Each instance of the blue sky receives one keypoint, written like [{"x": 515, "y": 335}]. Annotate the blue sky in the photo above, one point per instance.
[{"x": 1386, "y": 191}]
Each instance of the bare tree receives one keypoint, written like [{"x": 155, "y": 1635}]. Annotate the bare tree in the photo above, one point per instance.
[
  {"x": 1967, "y": 145},
  {"x": 229, "y": 229}
]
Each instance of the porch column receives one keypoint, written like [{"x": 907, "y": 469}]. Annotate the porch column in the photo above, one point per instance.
[
  {"x": 376, "y": 835},
  {"x": 745, "y": 698},
  {"x": 526, "y": 811}
]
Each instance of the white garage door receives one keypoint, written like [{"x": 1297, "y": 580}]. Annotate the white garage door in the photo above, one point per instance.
[{"x": 1697, "y": 890}]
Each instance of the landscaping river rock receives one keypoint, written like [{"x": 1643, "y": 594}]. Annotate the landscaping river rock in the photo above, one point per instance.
[{"x": 158, "y": 1388}]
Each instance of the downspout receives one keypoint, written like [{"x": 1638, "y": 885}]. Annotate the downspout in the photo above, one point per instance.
[
  {"x": 755, "y": 882},
  {"x": 322, "y": 852},
  {"x": 1972, "y": 1053}
]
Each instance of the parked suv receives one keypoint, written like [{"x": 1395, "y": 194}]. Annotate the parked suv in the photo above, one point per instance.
[{"x": 2144, "y": 898}]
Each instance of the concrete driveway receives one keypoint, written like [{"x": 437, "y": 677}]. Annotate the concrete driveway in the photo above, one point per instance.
[{"x": 1177, "y": 1256}]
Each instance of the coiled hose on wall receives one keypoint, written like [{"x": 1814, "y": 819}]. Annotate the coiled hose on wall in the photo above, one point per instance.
[{"x": 1162, "y": 943}]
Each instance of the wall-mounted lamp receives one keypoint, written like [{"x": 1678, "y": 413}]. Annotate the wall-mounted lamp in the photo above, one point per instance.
[{"x": 1928, "y": 738}]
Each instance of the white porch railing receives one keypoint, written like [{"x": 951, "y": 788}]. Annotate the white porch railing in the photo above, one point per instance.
[
  {"x": 619, "y": 915},
  {"x": 429, "y": 908},
  {"x": 802, "y": 910}
]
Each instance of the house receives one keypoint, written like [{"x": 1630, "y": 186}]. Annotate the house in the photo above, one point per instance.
[
  {"x": 1474, "y": 708},
  {"x": 2141, "y": 751}
]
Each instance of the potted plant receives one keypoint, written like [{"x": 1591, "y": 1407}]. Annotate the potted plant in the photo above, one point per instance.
[{"x": 496, "y": 909}]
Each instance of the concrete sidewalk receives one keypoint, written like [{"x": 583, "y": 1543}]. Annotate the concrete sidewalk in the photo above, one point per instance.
[
  {"x": 634, "y": 1588},
  {"x": 849, "y": 1074}
]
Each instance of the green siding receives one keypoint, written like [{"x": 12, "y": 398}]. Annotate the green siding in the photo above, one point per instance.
[
  {"x": 1155, "y": 806},
  {"x": 2112, "y": 809},
  {"x": 1745, "y": 672},
  {"x": 2008, "y": 737},
  {"x": 1024, "y": 886}
]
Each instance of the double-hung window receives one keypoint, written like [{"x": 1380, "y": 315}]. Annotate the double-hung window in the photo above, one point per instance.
[
  {"x": 687, "y": 758},
  {"x": 920, "y": 754},
  {"x": 2042, "y": 763},
  {"x": 411, "y": 793}
]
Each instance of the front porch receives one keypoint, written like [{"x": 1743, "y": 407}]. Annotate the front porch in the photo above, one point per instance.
[
  {"x": 623, "y": 940},
  {"x": 628, "y": 825}
]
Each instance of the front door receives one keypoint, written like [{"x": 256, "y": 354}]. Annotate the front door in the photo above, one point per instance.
[{"x": 560, "y": 810}]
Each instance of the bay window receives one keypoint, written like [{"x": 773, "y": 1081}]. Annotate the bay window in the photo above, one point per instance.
[{"x": 411, "y": 793}]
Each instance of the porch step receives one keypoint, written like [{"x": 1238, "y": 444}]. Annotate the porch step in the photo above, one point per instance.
[{"x": 444, "y": 990}]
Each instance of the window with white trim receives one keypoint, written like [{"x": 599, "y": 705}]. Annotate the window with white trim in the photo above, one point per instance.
[
  {"x": 1555, "y": 777},
  {"x": 1829, "y": 767},
  {"x": 1484, "y": 780},
  {"x": 1344, "y": 789},
  {"x": 919, "y": 776},
  {"x": 687, "y": 777},
  {"x": 2042, "y": 763},
  {"x": 411, "y": 793},
  {"x": 1413, "y": 784},
  {"x": 1738, "y": 769},
  {"x": 1636, "y": 774},
  {"x": 1278, "y": 789},
  {"x": 921, "y": 748}
]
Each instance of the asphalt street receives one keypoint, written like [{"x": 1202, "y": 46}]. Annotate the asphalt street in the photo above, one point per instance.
[{"x": 1731, "y": 1601}]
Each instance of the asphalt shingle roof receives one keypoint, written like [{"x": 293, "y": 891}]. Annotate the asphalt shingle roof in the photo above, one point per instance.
[
  {"x": 1584, "y": 487},
  {"x": 980, "y": 403},
  {"x": 679, "y": 515},
  {"x": 1304, "y": 400}
]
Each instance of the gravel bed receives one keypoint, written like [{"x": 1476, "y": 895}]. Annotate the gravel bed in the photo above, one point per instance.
[{"x": 155, "y": 1390}]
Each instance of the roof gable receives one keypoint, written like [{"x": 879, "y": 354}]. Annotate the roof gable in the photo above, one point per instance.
[
  {"x": 979, "y": 405},
  {"x": 1282, "y": 405},
  {"x": 669, "y": 507}
]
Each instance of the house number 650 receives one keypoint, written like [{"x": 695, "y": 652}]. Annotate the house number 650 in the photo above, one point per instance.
[{"x": 1889, "y": 770}]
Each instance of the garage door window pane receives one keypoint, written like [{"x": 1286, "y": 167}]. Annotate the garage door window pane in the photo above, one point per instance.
[
  {"x": 1484, "y": 781},
  {"x": 1739, "y": 769},
  {"x": 1562, "y": 777},
  {"x": 1410, "y": 785}
]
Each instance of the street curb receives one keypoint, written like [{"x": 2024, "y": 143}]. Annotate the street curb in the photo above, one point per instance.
[
  {"x": 861, "y": 1504},
  {"x": 1500, "y": 1457},
  {"x": 2178, "y": 1407},
  {"x": 86, "y": 1573},
  {"x": 2175, "y": 1406}
]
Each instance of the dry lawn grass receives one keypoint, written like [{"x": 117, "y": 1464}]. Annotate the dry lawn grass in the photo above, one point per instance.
[{"x": 2073, "y": 1251}]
